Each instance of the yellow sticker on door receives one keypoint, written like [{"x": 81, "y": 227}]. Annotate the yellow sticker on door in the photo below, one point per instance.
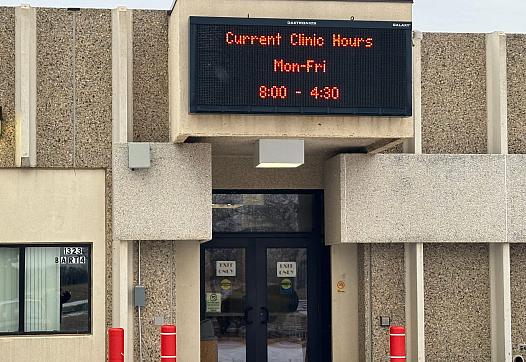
[{"x": 225, "y": 284}]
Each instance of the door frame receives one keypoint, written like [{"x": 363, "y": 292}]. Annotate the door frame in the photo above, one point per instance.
[{"x": 319, "y": 273}]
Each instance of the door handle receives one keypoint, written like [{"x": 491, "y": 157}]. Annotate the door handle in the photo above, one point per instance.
[
  {"x": 248, "y": 321},
  {"x": 263, "y": 315}
]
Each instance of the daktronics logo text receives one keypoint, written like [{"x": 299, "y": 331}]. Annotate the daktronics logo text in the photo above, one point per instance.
[
  {"x": 294, "y": 22},
  {"x": 401, "y": 25}
]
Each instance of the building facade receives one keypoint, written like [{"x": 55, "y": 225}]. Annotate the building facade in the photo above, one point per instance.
[{"x": 415, "y": 221}]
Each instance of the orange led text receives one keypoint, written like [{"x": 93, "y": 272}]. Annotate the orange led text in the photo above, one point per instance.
[
  {"x": 305, "y": 40},
  {"x": 265, "y": 40},
  {"x": 340, "y": 41},
  {"x": 308, "y": 66}
]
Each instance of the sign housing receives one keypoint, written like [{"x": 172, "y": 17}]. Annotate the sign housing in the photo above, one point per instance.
[{"x": 244, "y": 65}]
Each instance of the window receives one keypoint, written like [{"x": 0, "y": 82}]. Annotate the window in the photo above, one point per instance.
[
  {"x": 253, "y": 212},
  {"x": 45, "y": 289}
]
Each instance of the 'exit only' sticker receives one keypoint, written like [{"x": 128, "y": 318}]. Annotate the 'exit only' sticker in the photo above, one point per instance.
[{"x": 286, "y": 269}]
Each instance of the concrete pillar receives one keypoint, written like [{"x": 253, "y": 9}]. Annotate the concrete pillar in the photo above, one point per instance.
[
  {"x": 122, "y": 74},
  {"x": 187, "y": 300},
  {"x": 496, "y": 93},
  {"x": 499, "y": 253},
  {"x": 25, "y": 86},
  {"x": 122, "y": 123},
  {"x": 414, "y": 252},
  {"x": 344, "y": 301},
  {"x": 122, "y": 292},
  {"x": 414, "y": 303},
  {"x": 414, "y": 145},
  {"x": 499, "y": 267}
]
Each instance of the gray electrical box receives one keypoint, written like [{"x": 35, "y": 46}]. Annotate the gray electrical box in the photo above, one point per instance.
[
  {"x": 139, "y": 296},
  {"x": 138, "y": 155}
]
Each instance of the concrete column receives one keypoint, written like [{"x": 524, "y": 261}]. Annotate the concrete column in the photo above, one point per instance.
[
  {"x": 122, "y": 74},
  {"x": 187, "y": 300},
  {"x": 499, "y": 253},
  {"x": 499, "y": 268},
  {"x": 414, "y": 252},
  {"x": 496, "y": 92},
  {"x": 122, "y": 123},
  {"x": 122, "y": 292},
  {"x": 414, "y": 145},
  {"x": 414, "y": 304},
  {"x": 344, "y": 301},
  {"x": 25, "y": 87}
]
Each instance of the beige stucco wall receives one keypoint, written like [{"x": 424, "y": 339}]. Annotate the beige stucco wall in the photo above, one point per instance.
[
  {"x": 184, "y": 124},
  {"x": 239, "y": 172},
  {"x": 344, "y": 303},
  {"x": 57, "y": 206}
]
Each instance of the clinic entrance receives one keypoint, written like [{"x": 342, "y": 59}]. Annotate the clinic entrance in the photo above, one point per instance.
[{"x": 265, "y": 279}]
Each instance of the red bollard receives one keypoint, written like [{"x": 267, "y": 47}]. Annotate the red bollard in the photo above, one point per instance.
[
  {"x": 115, "y": 345},
  {"x": 397, "y": 343},
  {"x": 168, "y": 343}
]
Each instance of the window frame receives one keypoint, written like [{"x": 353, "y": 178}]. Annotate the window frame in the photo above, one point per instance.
[
  {"x": 21, "y": 287},
  {"x": 318, "y": 221}
]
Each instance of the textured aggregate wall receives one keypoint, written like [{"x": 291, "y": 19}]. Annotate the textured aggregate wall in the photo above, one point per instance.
[
  {"x": 516, "y": 198},
  {"x": 457, "y": 302},
  {"x": 55, "y": 130},
  {"x": 518, "y": 295},
  {"x": 168, "y": 201},
  {"x": 7, "y": 86},
  {"x": 454, "y": 93},
  {"x": 158, "y": 278},
  {"x": 381, "y": 286},
  {"x": 74, "y": 97},
  {"x": 364, "y": 341},
  {"x": 516, "y": 67},
  {"x": 387, "y": 297},
  {"x": 517, "y": 232},
  {"x": 420, "y": 198},
  {"x": 150, "y": 76}
]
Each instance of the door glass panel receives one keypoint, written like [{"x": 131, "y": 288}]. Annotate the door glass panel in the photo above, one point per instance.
[
  {"x": 225, "y": 296},
  {"x": 287, "y": 304}
]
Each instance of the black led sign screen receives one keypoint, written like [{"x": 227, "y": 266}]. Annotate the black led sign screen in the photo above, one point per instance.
[{"x": 243, "y": 65}]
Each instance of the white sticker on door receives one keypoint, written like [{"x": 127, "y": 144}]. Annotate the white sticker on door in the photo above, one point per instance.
[
  {"x": 286, "y": 269},
  {"x": 225, "y": 268},
  {"x": 213, "y": 302}
]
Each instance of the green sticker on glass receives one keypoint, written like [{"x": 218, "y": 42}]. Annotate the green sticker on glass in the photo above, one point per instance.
[
  {"x": 225, "y": 284},
  {"x": 286, "y": 284}
]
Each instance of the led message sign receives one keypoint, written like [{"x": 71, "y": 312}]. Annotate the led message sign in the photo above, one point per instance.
[{"x": 243, "y": 65}]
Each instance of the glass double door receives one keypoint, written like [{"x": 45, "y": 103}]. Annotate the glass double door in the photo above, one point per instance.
[{"x": 260, "y": 299}]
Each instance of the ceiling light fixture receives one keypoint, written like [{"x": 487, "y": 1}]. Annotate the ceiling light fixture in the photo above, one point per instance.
[{"x": 279, "y": 153}]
